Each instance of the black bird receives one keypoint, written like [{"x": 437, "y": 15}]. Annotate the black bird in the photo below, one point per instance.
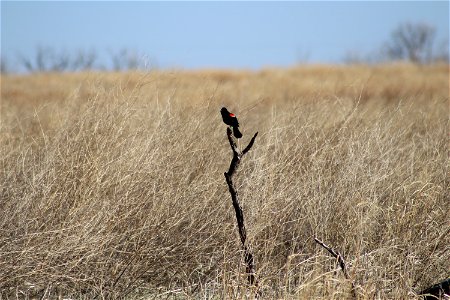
[{"x": 231, "y": 120}]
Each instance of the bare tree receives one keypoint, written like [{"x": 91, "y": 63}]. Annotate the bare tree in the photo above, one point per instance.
[
  {"x": 59, "y": 61},
  {"x": 47, "y": 59},
  {"x": 303, "y": 56},
  {"x": 4, "y": 67},
  {"x": 127, "y": 60},
  {"x": 84, "y": 60},
  {"x": 413, "y": 42},
  {"x": 41, "y": 61}
]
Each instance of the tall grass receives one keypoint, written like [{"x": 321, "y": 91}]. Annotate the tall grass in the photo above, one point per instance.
[{"x": 112, "y": 184}]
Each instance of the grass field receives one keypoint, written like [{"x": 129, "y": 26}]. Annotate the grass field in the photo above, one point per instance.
[{"x": 112, "y": 184}]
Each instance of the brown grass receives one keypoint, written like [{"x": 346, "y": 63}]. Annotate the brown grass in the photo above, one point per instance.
[{"x": 112, "y": 184}]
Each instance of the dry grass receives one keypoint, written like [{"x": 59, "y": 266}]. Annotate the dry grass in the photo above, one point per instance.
[{"x": 112, "y": 184}]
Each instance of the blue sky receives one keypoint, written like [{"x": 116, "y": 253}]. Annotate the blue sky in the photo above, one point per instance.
[{"x": 213, "y": 34}]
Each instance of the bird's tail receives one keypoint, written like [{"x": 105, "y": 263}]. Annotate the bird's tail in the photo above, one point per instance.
[{"x": 236, "y": 132}]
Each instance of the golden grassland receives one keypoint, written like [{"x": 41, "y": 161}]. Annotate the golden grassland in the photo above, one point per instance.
[{"x": 112, "y": 184}]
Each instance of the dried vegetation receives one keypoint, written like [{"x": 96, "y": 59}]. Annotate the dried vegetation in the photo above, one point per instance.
[{"x": 111, "y": 184}]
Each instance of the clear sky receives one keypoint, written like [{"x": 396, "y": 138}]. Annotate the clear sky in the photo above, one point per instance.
[{"x": 214, "y": 34}]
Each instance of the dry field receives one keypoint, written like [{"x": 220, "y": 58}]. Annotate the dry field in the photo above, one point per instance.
[{"x": 112, "y": 184}]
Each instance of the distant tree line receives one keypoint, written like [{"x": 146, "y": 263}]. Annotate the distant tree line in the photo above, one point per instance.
[
  {"x": 47, "y": 59},
  {"x": 413, "y": 42}
]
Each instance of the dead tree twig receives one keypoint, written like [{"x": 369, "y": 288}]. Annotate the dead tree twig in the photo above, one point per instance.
[
  {"x": 341, "y": 262},
  {"x": 436, "y": 291},
  {"x": 237, "y": 156}
]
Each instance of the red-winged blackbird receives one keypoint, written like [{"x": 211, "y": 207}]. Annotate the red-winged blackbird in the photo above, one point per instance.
[{"x": 231, "y": 120}]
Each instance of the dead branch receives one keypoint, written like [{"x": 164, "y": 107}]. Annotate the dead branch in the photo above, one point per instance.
[
  {"x": 341, "y": 262},
  {"x": 437, "y": 290},
  {"x": 236, "y": 160}
]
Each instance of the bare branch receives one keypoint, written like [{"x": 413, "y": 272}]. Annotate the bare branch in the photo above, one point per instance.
[
  {"x": 4, "y": 66},
  {"x": 341, "y": 262},
  {"x": 335, "y": 254},
  {"x": 437, "y": 290},
  {"x": 233, "y": 146},
  {"x": 250, "y": 144},
  {"x": 413, "y": 42},
  {"x": 235, "y": 161},
  {"x": 237, "y": 154}
]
